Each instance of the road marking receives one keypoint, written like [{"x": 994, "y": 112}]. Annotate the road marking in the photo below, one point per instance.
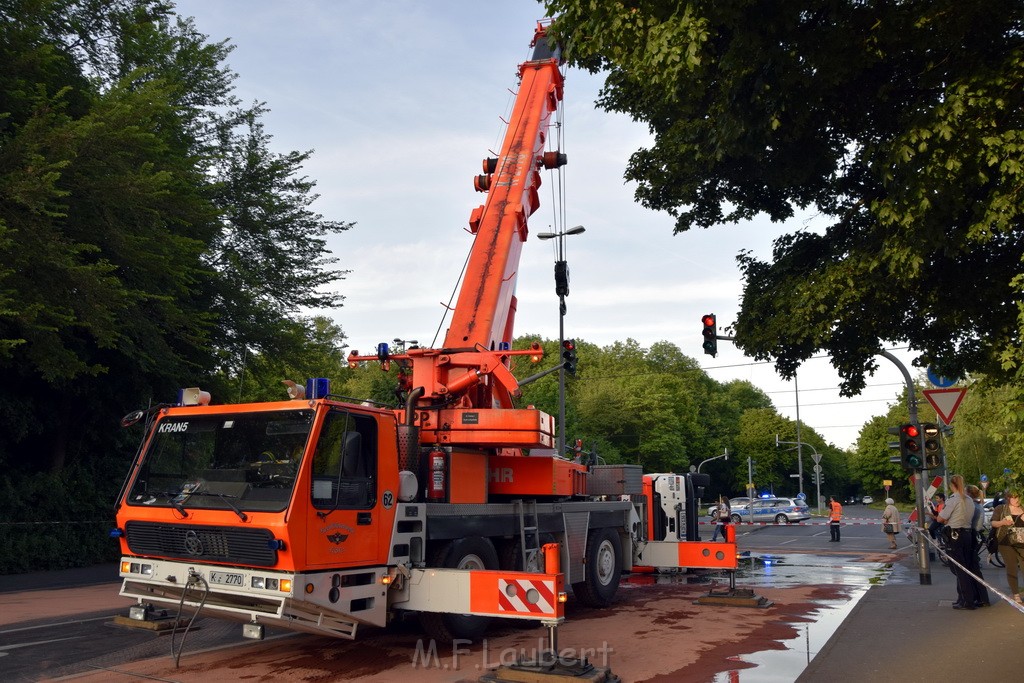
[
  {"x": 62, "y": 623},
  {"x": 38, "y": 642}
]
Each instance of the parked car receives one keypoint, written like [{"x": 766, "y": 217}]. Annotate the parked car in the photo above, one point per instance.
[
  {"x": 778, "y": 510},
  {"x": 867, "y": 500},
  {"x": 733, "y": 504},
  {"x": 989, "y": 507}
]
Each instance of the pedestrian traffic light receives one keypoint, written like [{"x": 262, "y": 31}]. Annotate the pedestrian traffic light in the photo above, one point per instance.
[
  {"x": 569, "y": 356},
  {"x": 710, "y": 335},
  {"x": 932, "y": 446},
  {"x": 910, "y": 447}
]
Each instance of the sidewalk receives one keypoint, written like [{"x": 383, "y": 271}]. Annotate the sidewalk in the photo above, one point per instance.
[{"x": 906, "y": 631}]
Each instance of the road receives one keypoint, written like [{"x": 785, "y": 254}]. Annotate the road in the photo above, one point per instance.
[
  {"x": 62, "y": 638},
  {"x": 861, "y": 533}
]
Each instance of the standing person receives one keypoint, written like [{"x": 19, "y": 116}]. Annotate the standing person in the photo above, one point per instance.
[
  {"x": 835, "y": 514},
  {"x": 724, "y": 518},
  {"x": 957, "y": 515},
  {"x": 891, "y": 521},
  {"x": 1006, "y": 516},
  {"x": 977, "y": 524}
]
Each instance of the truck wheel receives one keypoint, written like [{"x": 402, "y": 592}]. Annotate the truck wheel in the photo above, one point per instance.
[
  {"x": 473, "y": 552},
  {"x": 602, "y": 568}
]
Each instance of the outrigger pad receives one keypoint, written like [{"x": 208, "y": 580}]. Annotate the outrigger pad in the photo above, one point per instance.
[
  {"x": 553, "y": 670},
  {"x": 734, "y": 597}
]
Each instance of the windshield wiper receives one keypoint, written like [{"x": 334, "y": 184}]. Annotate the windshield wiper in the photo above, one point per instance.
[
  {"x": 172, "y": 498},
  {"x": 227, "y": 499}
]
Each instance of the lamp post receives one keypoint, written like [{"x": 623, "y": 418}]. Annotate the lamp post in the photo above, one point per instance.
[
  {"x": 706, "y": 460},
  {"x": 562, "y": 290},
  {"x": 714, "y": 457}
]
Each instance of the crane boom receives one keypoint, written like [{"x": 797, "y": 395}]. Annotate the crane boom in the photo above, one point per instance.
[
  {"x": 471, "y": 369},
  {"x": 485, "y": 310}
]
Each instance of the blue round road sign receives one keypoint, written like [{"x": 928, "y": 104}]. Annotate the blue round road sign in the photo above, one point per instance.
[{"x": 938, "y": 380}]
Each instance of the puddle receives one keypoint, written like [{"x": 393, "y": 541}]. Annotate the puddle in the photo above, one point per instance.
[
  {"x": 784, "y": 666},
  {"x": 761, "y": 570}
]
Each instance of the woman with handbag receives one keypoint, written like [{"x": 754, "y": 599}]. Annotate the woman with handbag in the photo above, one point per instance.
[
  {"x": 1008, "y": 525},
  {"x": 890, "y": 521}
]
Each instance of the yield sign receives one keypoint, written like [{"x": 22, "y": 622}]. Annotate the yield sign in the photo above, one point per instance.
[{"x": 945, "y": 401}]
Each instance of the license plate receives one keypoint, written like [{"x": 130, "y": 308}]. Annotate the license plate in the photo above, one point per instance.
[{"x": 226, "y": 579}]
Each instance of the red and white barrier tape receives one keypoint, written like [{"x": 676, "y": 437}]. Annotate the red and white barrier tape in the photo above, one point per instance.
[{"x": 819, "y": 523}]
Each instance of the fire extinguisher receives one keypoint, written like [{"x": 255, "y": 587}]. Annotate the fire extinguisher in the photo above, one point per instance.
[{"x": 438, "y": 475}]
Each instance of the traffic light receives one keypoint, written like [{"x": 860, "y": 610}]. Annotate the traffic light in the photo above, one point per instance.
[
  {"x": 710, "y": 335},
  {"x": 569, "y": 356},
  {"x": 932, "y": 446},
  {"x": 910, "y": 447}
]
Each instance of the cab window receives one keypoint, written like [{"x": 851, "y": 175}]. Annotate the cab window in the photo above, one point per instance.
[{"x": 345, "y": 462}]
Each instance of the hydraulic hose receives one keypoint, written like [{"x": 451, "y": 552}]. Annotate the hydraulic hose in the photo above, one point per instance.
[{"x": 193, "y": 578}]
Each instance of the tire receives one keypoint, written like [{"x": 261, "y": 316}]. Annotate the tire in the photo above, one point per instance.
[
  {"x": 602, "y": 569},
  {"x": 714, "y": 516},
  {"x": 781, "y": 519},
  {"x": 736, "y": 519},
  {"x": 472, "y": 552}
]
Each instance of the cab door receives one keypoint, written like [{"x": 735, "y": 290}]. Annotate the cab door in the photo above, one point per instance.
[{"x": 344, "y": 525}]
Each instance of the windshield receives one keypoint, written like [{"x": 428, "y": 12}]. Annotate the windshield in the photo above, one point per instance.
[{"x": 240, "y": 462}]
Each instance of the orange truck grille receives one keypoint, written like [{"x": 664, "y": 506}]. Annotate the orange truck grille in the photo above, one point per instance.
[{"x": 211, "y": 543}]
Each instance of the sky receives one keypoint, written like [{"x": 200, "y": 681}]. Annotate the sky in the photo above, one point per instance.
[{"x": 401, "y": 100}]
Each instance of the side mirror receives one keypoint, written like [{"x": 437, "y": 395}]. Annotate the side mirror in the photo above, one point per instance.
[{"x": 131, "y": 418}]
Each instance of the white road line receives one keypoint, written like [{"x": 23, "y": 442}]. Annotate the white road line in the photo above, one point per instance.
[
  {"x": 38, "y": 642},
  {"x": 62, "y": 623}
]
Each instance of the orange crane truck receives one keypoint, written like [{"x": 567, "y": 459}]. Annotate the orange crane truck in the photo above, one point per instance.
[{"x": 320, "y": 513}]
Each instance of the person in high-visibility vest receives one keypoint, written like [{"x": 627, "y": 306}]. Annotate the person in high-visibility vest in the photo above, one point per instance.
[{"x": 835, "y": 514}]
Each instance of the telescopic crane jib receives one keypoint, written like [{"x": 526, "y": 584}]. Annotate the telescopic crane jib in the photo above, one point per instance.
[{"x": 471, "y": 370}]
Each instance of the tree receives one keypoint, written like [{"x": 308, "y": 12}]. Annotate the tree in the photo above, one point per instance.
[
  {"x": 149, "y": 238},
  {"x": 315, "y": 351},
  {"x": 981, "y": 442},
  {"x": 900, "y": 124},
  {"x": 870, "y": 462}
]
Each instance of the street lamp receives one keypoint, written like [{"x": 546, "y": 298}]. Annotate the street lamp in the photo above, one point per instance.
[
  {"x": 562, "y": 290},
  {"x": 714, "y": 457}
]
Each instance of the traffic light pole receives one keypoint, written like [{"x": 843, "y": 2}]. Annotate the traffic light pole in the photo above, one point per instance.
[{"x": 922, "y": 545}]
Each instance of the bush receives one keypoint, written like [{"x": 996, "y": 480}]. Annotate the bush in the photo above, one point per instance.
[{"x": 57, "y": 521}]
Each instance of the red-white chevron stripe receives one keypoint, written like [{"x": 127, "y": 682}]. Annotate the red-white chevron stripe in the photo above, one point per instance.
[{"x": 526, "y": 596}]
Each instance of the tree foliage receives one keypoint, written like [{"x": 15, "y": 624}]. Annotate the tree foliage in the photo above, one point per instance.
[
  {"x": 900, "y": 124},
  {"x": 149, "y": 237},
  {"x": 656, "y": 408}
]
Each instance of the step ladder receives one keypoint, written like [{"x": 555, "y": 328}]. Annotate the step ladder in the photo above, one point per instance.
[{"x": 529, "y": 533}]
